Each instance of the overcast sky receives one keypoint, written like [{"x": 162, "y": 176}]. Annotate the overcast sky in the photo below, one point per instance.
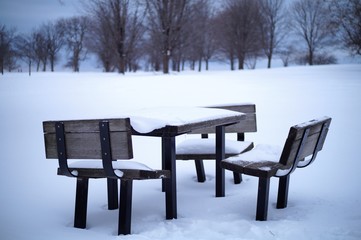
[{"x": 26, "y": 15}]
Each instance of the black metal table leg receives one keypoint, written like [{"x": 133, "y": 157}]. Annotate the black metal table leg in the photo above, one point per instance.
[
  {"x": 169, "y": 161},
  {"x": 220, "y": 155}
]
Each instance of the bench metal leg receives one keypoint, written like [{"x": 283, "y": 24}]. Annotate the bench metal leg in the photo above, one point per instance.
[
  {"x": 112, "y": 186},
  {"x": 220, "y": 155},
  {"x": 81, "y": 202},
  {"x": 125, "y": 210},
  {"x": 262, "y": 199},
  {"x": 237, "y": 178},
  {"x": 163, "y": 166},
  {"x": 282, "y": 196},
  {"x": 201, "y": 175}
]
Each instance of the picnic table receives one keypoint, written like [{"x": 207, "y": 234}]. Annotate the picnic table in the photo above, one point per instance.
[{"x": 168, "y": 123}]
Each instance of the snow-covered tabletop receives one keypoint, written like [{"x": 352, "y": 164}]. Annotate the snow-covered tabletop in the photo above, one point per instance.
[{"x": 148, "y": 119}]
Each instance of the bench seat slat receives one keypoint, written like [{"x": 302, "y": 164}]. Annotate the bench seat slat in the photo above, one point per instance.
[
  {"x": 124, "y": 170},
  {"x": 204, "y": 148},
  {"x": 124, "y": 174},
  {"x": 263, "y": 169}
]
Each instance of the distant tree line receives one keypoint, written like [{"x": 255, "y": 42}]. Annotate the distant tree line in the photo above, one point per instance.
[{"x": 168, "y": 35}]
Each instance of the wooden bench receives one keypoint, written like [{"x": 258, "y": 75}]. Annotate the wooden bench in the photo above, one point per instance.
[
  {"x": 98, "y": 143},
  {"x": 203, "y": 148},
  {"x": 303, "y": 143}
]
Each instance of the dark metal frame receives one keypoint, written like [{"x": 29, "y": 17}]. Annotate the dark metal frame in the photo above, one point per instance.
[{"x": 61, "y": 148}]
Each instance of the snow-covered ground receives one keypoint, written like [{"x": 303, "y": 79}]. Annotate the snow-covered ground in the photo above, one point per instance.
[{"x": 324, "y": 199}]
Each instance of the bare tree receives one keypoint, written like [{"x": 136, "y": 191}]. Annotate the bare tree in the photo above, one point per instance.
[
  {"x": 244, "y": 17},
  {"x": 134, "y": 40},
  {"x": 285, "y": 53},
  {"x": 99, "y": 40},
  {"x": 273, "y": 26},
  {"x": 166, "y": 19},
  {"x": 224, "y": 37},
  {"x": 6, "y": 48},
  {"x": 116, "y": 27},
  {"x": 347, "y": 15},
  {"x": 40, "y": 49},
  {"x": 53, "y": 33},
  {"x": 74, "y": 30},
  {"x": 118, "y": 14},
  {"x": 198, "y": 30},
  {"x": 25, "y": 47},
  {"x": 210, "y": 42},
  {"x": 312, "y": 23}
]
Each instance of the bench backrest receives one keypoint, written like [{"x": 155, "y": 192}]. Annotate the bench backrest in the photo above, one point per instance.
[
  {"x": 304, "y": 141},
  {"x": 247, "y": 125},
  {"x": 83, "y": 141}
]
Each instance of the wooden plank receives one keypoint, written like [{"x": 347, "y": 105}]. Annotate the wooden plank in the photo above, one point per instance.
[
  {"x": 200, "y": 156},
  {"x": 82, "y": 138},
  {"x": 245, "y": 108},
  {"x": 87, "y": 145},
  {"x": 294, "y": 140},
  {"x": 169, "y": 131},
  {"x": 314, "y": 126},
  {"x": 259, "y": 169},
  {"x": 136, "y": 174},
  {"x": 209, "y": 156},
  {"x": 248, "y": 124},
  {"x": 91, "y": 125}
]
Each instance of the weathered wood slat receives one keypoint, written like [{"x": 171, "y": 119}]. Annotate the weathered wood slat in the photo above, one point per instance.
[
  {"x": 91, "y": 125},
  {"x": 86, "y": 145},
  {"x": 208, "y": 156},
  {"x": 82, "y": 138},
  {"x": 294, "y": 140},
  {"x": 314, "y": 126},
  {"x": 248, "y": 124},
  {"x": 169, "y": 131},
  {"x": 130, "y": 174},
  {"x": 262, "y": 169}
]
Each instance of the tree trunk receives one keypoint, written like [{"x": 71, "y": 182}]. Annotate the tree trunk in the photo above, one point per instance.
[
  {"x": 30, "y": 68},
  {"x": 240, "y": 63},
  {"x": 269, "y": 61},
  {"x": 44, "y": 66},
  {"x": 2, "y": 67},
  {"x": 52, "y": 61},
  {"x": 232, "y": 64},
  {"x": 310, "y": 58},
  {"x": 165, "y": 63}
]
